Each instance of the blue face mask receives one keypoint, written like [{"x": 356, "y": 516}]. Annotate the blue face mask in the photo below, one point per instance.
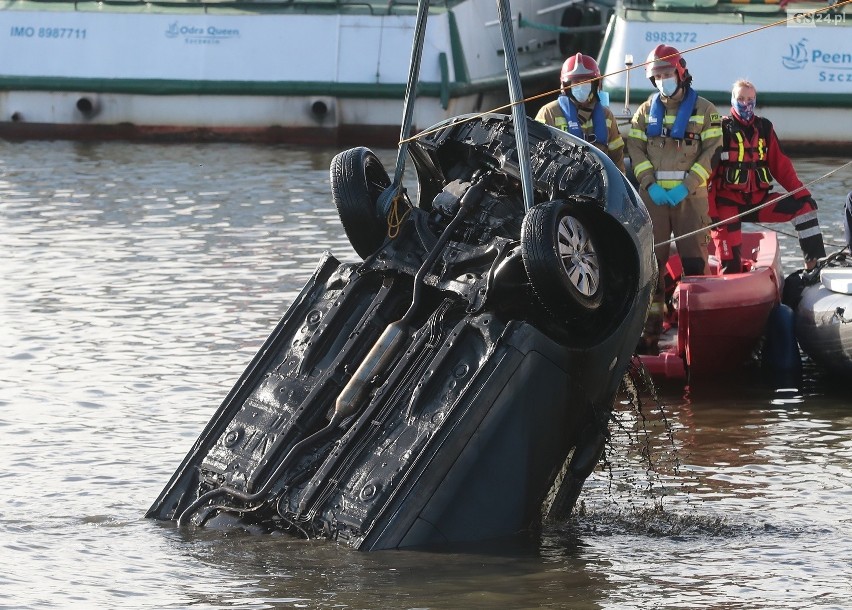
[
  {"x": 582, "y": 92},
  {"x": 667, "y": 86},
  {"x": 744, "y": 110}
]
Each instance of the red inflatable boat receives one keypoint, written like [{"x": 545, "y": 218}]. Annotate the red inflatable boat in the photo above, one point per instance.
[{"x": 714, "y": 322}]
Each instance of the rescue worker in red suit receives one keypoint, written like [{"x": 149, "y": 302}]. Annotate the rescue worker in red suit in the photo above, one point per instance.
[
  {"x": 751, "y": 158},
  {"x": 579, "y": 111},
  {"x": 674, "y": 137}
]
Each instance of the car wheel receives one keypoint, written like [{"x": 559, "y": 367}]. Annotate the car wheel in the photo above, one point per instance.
[
  {"x": 358, "y": 178},
  {"x": 561, "y": 257}
]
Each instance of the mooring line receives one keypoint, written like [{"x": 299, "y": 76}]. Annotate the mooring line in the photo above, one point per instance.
[
  {"x": 755, "y": 208},
  {"x": 828, "y": 242}
]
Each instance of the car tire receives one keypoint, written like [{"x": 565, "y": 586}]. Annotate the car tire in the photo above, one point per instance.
[
  {"x": 358, "y": 178},
  {"x": 561, "y": 257}
]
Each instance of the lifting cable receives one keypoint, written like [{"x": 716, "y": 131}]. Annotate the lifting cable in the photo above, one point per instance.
[{"x": 395, "y": 219}]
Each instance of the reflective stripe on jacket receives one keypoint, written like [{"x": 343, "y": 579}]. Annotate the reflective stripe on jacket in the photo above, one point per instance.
[
  {"x": 690, "y": 156},
  {"x": 744, "y": 162},
  {"x": 551, "y": 114}
]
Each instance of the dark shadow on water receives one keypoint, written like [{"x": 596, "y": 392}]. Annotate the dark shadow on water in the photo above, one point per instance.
[{"x": 278, "y": 571}]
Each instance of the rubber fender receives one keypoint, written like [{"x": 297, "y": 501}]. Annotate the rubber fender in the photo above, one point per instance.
[{"x": 781, "y": 359}]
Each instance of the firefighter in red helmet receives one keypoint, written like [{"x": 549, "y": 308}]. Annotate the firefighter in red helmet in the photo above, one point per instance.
[
  {"x": 674, "y": 138},
  {"x": 579, "y": 111}
]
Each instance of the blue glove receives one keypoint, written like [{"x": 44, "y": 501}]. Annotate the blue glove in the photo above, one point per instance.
[
  {"x": 677, "y": 194},
  {"x": 659, "y": 195}
]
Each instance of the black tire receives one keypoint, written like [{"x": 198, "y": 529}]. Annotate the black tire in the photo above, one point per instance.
[
  {"x": 358, "y": 178},
  {"x": 560, "y": 253},
  {"x": 569, "y": 43}
]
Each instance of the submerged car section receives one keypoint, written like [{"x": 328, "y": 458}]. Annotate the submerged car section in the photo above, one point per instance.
[{"x": 432, "y": 392}]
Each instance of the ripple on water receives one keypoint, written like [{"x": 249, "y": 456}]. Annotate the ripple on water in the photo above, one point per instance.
[{"x": 138, "y": 282}]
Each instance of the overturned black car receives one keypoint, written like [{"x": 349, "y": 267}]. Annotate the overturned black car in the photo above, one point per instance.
[{"x": 433, "y": 392}]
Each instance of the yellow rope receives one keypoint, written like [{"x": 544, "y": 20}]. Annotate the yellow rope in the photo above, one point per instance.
[
  {"x": 394, "y": 219},
  {"x": 627, "y": 69}
]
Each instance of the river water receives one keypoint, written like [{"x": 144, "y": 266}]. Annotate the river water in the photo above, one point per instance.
[{"x": 139, "y": 280}]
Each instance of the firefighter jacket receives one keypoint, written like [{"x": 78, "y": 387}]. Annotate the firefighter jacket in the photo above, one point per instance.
[
  {"x": 750, "y": 159},
  {"x": 668, "y": 160},
  {"x": 551, "y": 114}
]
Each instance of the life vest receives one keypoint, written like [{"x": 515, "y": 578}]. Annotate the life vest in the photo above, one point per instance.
[
  {"x": 601, "y": 133},
  {"x": 655, "y": 127},
  {"x": 744, "y": 162}
]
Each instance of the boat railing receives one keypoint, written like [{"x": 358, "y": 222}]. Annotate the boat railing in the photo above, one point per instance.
[
  {"x": 743, "y": 7},
  {"x": 386, "y": 7}
]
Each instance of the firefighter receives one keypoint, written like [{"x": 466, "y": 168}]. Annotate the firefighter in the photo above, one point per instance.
[
  {"x": 751, "y": 158},
  {"x": 673, "y": 139},
  {"x": 579, "y": 111}
]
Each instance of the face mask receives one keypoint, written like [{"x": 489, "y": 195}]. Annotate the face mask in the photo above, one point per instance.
[
  {"x": 745, "y": 111},
  {"x": 667, "y": 86},
  {"x": 582, "y": 92}
]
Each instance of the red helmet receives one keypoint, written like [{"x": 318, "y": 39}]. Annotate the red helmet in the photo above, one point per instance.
[
  {"x": 579, "y": 66},
  {"x": 663, "y": 57}
]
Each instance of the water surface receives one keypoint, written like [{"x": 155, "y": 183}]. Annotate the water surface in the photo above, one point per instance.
[{"x": 139, "y": 280}]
